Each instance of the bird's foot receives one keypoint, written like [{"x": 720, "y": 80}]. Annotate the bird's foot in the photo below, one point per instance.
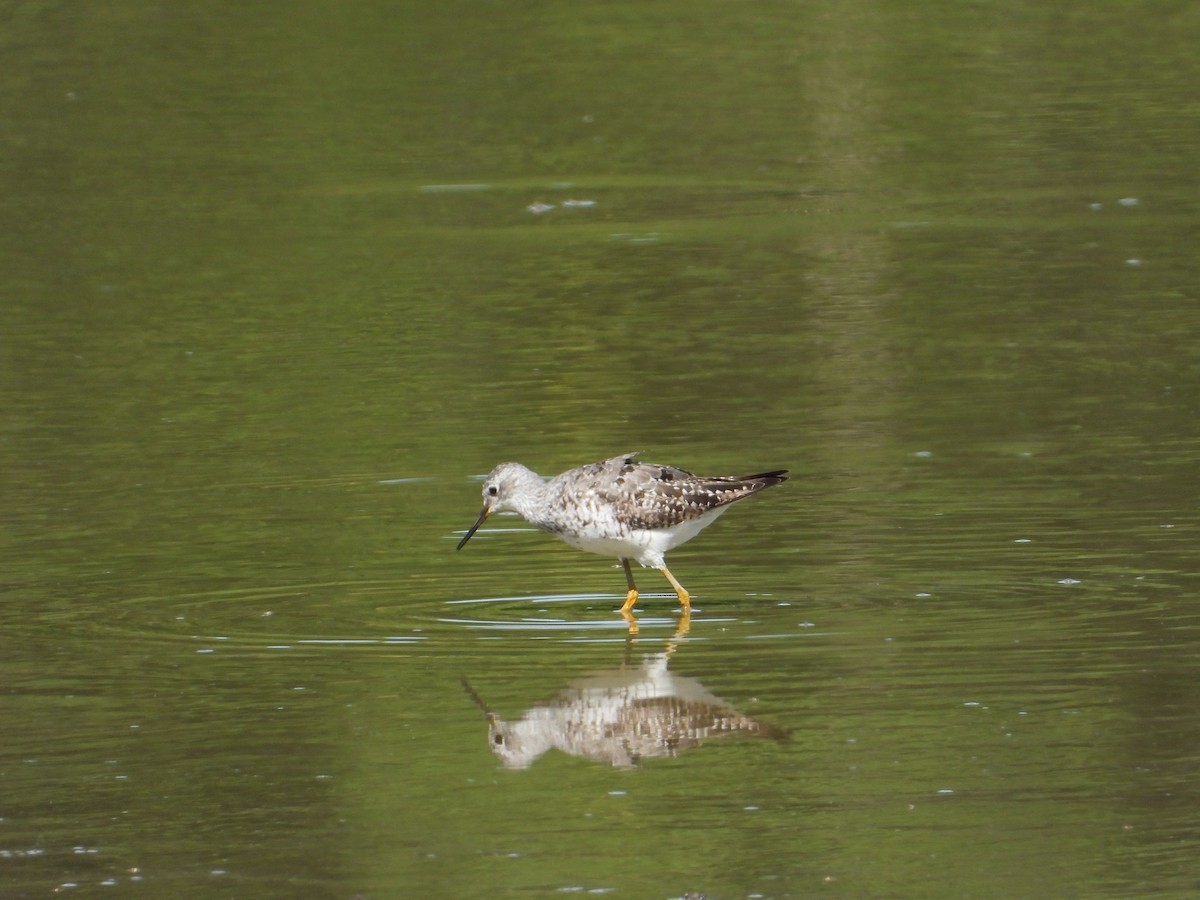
[{"x": 630, "y": 599}]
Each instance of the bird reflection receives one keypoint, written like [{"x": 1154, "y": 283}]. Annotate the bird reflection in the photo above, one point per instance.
[{"x": 622, "y": 716}]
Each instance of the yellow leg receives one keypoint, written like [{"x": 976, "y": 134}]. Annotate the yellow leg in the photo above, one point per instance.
[
  {"x": 631, "y": 597},
  {"x": 685, "y": 599}
]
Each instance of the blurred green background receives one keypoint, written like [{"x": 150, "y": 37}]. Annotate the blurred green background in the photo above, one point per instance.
[{"x": 277, "y": 281}]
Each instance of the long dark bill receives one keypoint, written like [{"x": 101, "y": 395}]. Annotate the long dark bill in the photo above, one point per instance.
[{"x": 470, "y": 531}]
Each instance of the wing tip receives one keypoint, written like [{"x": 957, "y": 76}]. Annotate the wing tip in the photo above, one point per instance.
[{"x": 768, "y": 479}]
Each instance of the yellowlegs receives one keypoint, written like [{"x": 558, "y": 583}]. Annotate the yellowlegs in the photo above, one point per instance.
[
  {"x": 620, "y": 507},
  {"x": 621, "y": 716}
]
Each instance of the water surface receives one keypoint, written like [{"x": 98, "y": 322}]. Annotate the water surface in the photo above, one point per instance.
[{"x": 280, "y": 284}]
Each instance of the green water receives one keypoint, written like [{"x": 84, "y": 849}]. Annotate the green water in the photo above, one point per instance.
[{"x": 275, "y": 289}]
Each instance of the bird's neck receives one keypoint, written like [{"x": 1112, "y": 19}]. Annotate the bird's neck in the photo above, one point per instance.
[{"x": 528, "y": 495}]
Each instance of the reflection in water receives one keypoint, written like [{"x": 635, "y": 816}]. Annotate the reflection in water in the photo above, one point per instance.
[{"x": 622, "y": 716}]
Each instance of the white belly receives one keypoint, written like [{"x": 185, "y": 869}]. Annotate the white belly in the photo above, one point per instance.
[{"x": 647, "y": 546}]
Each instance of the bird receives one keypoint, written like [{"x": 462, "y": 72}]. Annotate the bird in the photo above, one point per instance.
[
  {"x": 620, "y": 507},
  {"x": 621, "y": 717}
]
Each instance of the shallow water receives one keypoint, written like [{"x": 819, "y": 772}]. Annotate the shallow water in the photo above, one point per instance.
[{"x": 280, "y": 287}]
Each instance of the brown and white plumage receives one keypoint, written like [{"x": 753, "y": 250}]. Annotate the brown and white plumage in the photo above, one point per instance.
[
  {"x": 620, "y": 507},
  {"x": 621, "y": 717}
]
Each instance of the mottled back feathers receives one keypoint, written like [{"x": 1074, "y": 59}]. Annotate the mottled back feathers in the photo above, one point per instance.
[{"x": 648, "y": 496}]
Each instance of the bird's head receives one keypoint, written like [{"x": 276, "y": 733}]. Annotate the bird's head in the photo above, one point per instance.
[{"x": 500, "y": 488}]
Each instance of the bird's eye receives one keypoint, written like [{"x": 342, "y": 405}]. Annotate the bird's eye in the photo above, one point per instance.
[{"x": 493, "y": 490}]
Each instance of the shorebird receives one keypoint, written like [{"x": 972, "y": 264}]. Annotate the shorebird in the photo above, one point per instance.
[
  {"x": 621, "y": 717},
  {"x": 620, "y": 507}
]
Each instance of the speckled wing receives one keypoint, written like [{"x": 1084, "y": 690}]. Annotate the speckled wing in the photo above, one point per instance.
[{"x": 654, "y": 496}]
